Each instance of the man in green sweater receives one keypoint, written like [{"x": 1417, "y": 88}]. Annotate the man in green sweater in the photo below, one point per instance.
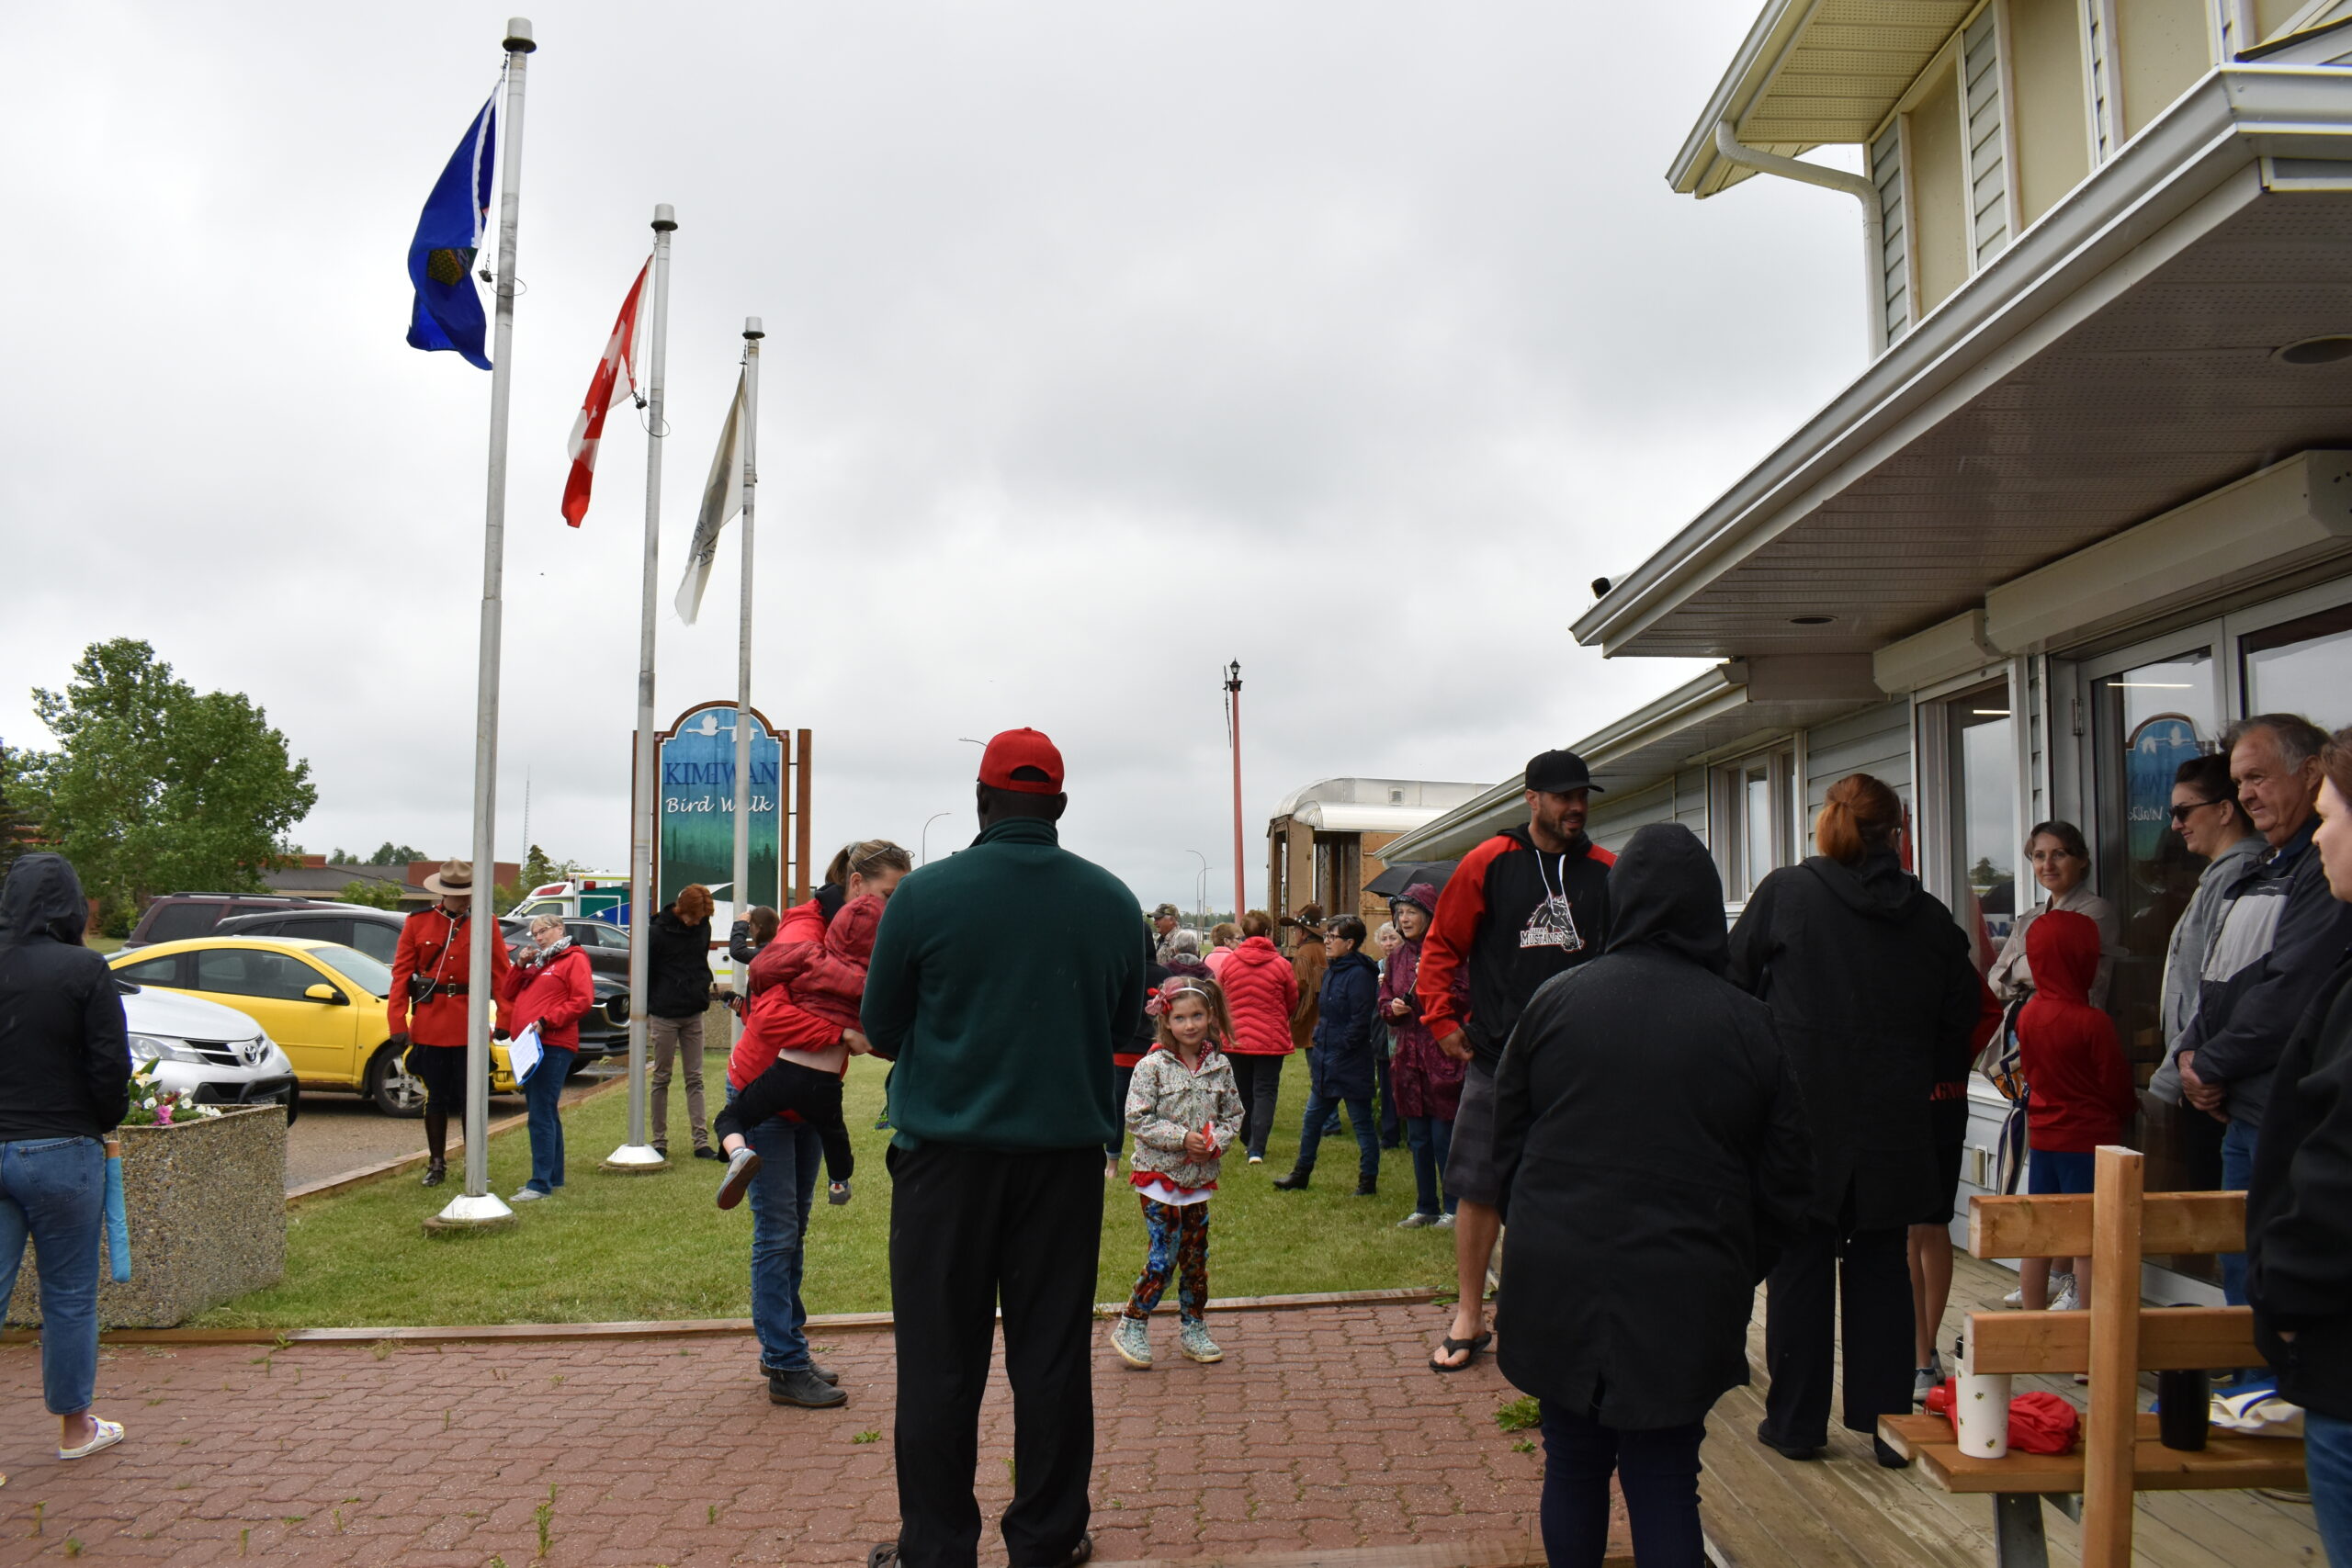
[{"x": 1002, "y": 981}]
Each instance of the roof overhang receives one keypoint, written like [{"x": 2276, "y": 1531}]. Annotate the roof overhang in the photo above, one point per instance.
[
  {"x": 1722, "y": 710},
  {"x": 1812, "y": 73},
  {"x": 2115, "y": 363}
]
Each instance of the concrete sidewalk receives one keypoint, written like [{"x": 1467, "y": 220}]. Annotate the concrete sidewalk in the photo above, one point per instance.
[{"x": 1321, "y": 1430}]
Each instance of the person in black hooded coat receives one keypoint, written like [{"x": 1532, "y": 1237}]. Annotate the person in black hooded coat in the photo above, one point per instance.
[
  {"x": 1653, "y": 1154},
  {"x": 64, "y": 1085},
  {"x": 1874, "y": 997}
]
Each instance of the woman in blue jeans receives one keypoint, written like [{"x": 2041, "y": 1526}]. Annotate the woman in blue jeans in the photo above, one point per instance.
[
  {"x": 64, "y": 1085},
  {"x": 550, "y": 985},
  {"x": 1654, "y": 1153}
]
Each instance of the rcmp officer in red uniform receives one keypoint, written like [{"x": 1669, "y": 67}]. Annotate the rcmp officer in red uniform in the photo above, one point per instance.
[{"x": 431, "y": 970}]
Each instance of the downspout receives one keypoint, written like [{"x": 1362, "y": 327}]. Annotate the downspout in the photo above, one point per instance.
[{"x": 1729, "y": 148}]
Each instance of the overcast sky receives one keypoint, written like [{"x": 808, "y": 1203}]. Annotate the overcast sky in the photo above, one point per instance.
[{"x": 1106, "y": 343}]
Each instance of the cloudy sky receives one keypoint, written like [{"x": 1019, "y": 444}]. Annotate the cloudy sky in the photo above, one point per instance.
[{"x": 1346, "y": 338}]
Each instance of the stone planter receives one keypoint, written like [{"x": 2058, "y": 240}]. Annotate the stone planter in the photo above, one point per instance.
[{"x": 207, "y": 1205}]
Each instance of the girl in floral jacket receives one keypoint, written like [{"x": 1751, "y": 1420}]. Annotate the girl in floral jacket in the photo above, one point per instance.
[{"x": 1184, "y": 1110}]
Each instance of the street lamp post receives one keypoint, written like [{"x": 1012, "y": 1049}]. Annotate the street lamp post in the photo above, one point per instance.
[
  {"x": 926, "y": 835},
  {"x": 1200, "y": 900},
  {"x": 1233, "y": 727}
]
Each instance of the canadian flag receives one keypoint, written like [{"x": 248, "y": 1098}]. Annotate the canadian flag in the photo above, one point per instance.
[{"x": 616, "y": 369}]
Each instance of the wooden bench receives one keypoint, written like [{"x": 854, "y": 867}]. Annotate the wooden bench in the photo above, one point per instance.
[{"x": 2114, "y": 1342}]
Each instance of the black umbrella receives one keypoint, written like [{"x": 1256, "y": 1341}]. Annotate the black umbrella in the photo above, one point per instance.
[{"x": 1393, "y": 881}]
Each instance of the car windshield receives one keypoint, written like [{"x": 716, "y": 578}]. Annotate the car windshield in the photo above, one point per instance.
[{"x": 355, "y": 966}]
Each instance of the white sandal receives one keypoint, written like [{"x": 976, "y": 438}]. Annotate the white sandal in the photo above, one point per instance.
[{"x": 108, "y": 1434}]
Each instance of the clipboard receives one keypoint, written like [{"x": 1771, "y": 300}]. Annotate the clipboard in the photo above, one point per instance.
[{"x": 524, "y": 1054}]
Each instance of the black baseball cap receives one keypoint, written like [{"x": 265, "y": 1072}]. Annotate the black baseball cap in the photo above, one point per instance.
[{"x": 1558, "y": 772}]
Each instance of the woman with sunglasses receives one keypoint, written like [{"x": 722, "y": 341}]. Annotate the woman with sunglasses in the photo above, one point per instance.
[{"x": 2210, "y": 822}]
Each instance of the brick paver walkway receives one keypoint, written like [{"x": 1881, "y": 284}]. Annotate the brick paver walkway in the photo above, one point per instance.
[{"x": 1322, "y": 1429}]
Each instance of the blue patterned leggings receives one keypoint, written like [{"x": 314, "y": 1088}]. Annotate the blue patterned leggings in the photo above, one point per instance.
[{"x": 1178, "y": 1243}]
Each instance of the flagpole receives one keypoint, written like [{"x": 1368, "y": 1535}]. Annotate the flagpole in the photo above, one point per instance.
[
  {"x": 740, "y": 895},
  {"x": 637, "y": 1155},
  {"x": 478, "y": 1205}
]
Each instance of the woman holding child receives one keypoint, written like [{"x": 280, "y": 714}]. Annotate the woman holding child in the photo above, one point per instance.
[{"x": 782, "y": 1185}]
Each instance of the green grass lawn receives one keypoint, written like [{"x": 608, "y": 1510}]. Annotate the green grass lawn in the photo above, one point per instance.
[{"x": 621, "y": 1247}]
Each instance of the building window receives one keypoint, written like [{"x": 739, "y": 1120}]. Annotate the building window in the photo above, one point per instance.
[
  {"x": 2302, "y": 667},
  {"x": 1981, "y": 742},
  {"x": 1755, "y": 808}
]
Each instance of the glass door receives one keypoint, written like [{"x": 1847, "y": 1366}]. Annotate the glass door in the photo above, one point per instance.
[
  {"x": 2153, "y": 709},
  {"x": 1986, "y": 832}
]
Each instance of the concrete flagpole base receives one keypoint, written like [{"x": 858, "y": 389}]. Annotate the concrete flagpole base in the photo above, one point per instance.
[
  {"x": 468, "y": 1214},
  {"x": 636, "y": 1160}
]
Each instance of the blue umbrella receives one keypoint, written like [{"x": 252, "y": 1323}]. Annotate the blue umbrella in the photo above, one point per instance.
[{"x": 117, "y": 1222}]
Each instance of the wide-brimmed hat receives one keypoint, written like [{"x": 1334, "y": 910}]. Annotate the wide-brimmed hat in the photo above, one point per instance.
[{"x": 454, "y": 876}]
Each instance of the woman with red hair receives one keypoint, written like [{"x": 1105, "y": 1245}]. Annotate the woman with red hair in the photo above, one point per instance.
[{"x": 1874, "y": 1000}]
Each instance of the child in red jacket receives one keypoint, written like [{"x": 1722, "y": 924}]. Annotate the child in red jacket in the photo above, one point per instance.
[
  {"x": 2081, "y": 1089},
  {"x": 827, "y": 980}
]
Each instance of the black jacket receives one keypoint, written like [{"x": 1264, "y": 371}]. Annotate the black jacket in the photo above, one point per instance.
[
  {"x": 2298, "y": 1208},
  {"x": 65, "y": 1053},
  {"x": 1871, "y": 986},
  {"x": 1345, "y": 1028},
  {"x": 677, "y": 966},
  {"x": 1655, "y": 1155}
]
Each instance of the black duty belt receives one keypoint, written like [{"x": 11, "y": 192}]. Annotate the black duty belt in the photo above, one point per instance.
[{"x": 450, "y": 988}]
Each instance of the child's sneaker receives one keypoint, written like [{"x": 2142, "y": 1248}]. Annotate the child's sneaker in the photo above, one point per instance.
[
  {"x": 742, "y": 1166},
  {"x": 837, "y": 1194},
  {"x": 2062, "y": 1295},
  {"x": 1130, "y": 1339},
  {"x": 1192, "y": 1338}
]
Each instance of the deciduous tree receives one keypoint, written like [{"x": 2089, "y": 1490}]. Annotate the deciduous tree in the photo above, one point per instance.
[{"x": 155, "y": 786}]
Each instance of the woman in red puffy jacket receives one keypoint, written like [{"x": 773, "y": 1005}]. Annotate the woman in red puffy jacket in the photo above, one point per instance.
[
  {"x": 1263, "y": 993},
  {"x": 548, "y": 986}
]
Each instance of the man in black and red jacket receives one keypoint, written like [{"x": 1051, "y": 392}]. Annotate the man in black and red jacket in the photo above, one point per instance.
[{"x": 1526, "y": 905}]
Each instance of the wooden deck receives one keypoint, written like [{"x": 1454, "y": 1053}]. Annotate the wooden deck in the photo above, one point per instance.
[{"x": 1843, "y": 1511}]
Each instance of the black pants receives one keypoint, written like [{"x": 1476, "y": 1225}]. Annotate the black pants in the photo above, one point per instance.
[
  {"x": 1392, "y": 1126},
  {"x": 1659, "y": 1471},
  {"x": 971, "y": 1230},
  {"x": 1260, "y": 1079},
  {"x": 1870, "y": 1269},
  {"x": 814, "y": 1096}
]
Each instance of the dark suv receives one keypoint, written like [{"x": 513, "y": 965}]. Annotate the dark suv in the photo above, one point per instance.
[
  {"x": 174, "y": 916},
  {"x": 376, "y": 932}
]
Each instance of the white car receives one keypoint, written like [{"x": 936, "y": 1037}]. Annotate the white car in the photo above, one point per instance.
[{"x": 211, "y": 1054}]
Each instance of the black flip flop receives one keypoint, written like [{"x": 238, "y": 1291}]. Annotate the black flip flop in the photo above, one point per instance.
[{"x": 1450, "y": 1345}]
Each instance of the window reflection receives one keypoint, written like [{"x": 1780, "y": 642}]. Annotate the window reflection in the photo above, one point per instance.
[
  {"x": 2301, "y": 667},
  {"x": 1985, "y": 822}
]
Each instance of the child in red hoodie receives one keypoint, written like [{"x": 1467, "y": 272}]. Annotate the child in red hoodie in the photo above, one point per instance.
[
  {"x": 2081, "y": 1089},
  {"x": 827, "y": 980}
]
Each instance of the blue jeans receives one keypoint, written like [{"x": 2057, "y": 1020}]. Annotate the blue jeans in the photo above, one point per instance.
[
  {"x": 542, "y": 1093},
  {"x": 2237, "y": 1174},
  {"x": 1310, "y": 1135},
  {"x": 2327, "y": 1460},
  {"x": 781, "y": 1194},
  {"x": 54, "y": 1190},
  {"x": 1658, "y": 1471},
  {"x": 1431, "y": 1138}
]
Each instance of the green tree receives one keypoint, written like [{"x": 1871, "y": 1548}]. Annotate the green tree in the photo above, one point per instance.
[
  {"x": 390, "y": 854},
  {"x": 375, "y": 895},
  {"x": 154, "y": 785},
  {"x": 22, "y": 805}
]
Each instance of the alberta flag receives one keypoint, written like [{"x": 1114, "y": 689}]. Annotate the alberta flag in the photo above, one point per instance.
[{"x": 441, "y": 258}]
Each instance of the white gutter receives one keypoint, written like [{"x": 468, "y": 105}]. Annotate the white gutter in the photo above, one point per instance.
[{"x": 1729, "y": 148}]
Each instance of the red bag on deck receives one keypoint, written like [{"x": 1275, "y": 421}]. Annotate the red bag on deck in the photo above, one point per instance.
[{"x": 2039, "y": 1423}]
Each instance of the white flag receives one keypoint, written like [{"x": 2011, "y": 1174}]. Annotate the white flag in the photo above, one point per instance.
[{"x": 722, "y": 498}]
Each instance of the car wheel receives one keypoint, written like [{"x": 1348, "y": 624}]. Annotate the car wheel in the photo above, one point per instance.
[
  {"x": 579, "y": 1065},
  {"x": 395, "y": 1091}
]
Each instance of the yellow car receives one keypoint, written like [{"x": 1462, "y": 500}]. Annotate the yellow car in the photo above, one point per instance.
[{"x": 320, "y": 1001}]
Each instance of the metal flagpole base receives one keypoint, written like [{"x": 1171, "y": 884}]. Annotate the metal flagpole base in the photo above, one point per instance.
[
  {"x": 636, "y": 1159},
  {"x": 466, "y": 1215}
]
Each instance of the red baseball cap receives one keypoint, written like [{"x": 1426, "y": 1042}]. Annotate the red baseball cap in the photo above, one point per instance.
[{"x": 1023, "y": 761}]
